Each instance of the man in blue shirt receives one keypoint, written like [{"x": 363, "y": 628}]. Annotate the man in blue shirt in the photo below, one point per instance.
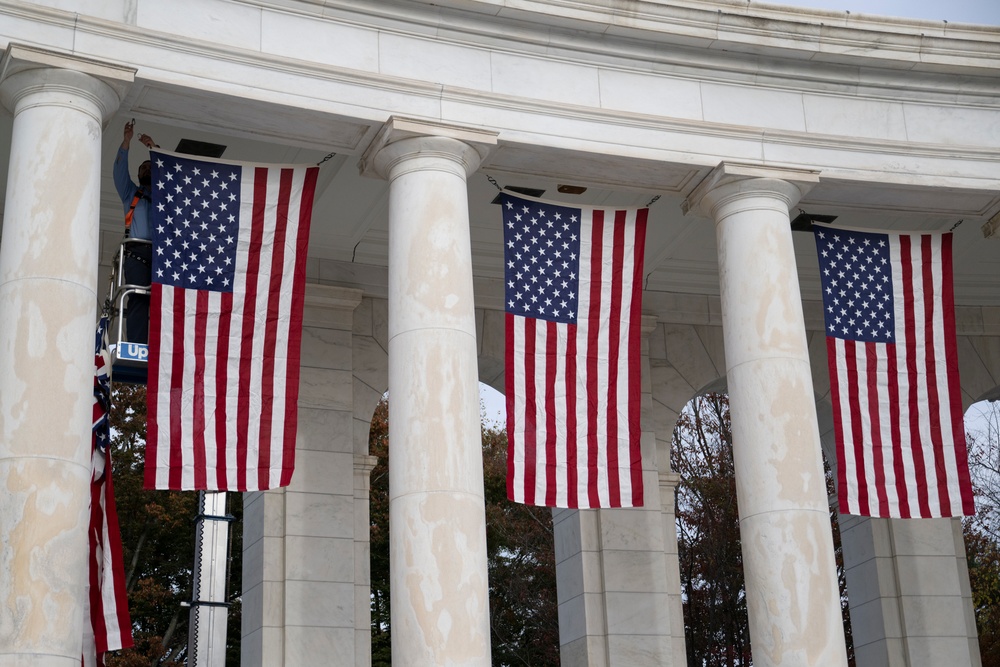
[{"x": 138, "y": 256}]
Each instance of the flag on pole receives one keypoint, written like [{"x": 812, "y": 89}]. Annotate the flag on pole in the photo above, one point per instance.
[
  {"x": 891, "y": 347},
  {"x": 109, "y": 627},
  {"x": 573, "y": 310},
  {"x": 229, "y": 250}
]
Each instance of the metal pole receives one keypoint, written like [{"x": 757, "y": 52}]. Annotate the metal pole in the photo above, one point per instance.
[{"x": 209, "y": 609}]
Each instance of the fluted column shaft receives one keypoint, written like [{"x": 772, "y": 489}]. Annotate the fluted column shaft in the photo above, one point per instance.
[
  {"x": 791, "y": 582},
  {"x": 440, "y": 607},
  {"x": 48, "y": 297}
]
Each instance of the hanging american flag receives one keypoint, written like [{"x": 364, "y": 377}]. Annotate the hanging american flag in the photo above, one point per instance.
[
  {"x": 109, "y": 627},
  {"x": 573, "y": 348},
  {"x": 893, "y": 358},
  {"x": 229, "y": 251}
]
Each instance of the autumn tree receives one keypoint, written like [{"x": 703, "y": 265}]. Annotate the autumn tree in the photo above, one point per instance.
[
  {"x": 716, "y": 630},
  {"x": 378, "y": 446},
  {"x": 982, "y": 532},
  {"x": 984, "y": 465},
  {"x": 984, "y": 576},
  {"x": 520, "y": 558}
]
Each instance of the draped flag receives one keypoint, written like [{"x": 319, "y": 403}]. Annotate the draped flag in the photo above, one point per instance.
[
  {"x": 229, "y": 251},
  {"x": 110, "y": 627},
  {"x": 891, "y": 347},
  {"x": 574, "y": 301}
]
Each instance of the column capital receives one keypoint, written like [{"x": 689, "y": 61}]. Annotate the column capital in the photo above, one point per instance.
[
  {"x": 669, "y": 480},
  {"x": 402, "y": 139},
  {"x": 26, "y": 69},
  {"x": 731, "y": 180}
]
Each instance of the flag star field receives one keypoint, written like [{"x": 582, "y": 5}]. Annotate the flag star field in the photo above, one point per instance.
[
  {"x": 542, "y": 260},
  {"x": 195, "y": 223},
  {"x": 857, "y": 285}
]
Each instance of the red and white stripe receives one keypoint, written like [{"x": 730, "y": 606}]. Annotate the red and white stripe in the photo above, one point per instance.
[
  {"x": 107, "y": 601},
  {"x": 224, "y": 367},
  {"x": 107, "y": 624},
  {"x": 573, "y": 390},
  {"x": 897, "y": 406}
]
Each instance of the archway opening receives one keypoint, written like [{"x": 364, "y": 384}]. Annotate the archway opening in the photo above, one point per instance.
[
  {"x": 713, "y": 590},
  {"x": 982, "y": 531},
  {"x": 524, "y": 624}
]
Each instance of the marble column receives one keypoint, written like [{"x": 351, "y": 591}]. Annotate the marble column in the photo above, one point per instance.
[
  {"x": 669, "y": 481},
  {"x": 791, "y": 582},
  {"x": 666, "y": 493},
  {"x": 437, "y": 523},
  {"x": 908, "y": 583},
  {"x": 300, "y": 542},
  {"x": 617, "y": 571},
  {"x": 48, "y": 298}
]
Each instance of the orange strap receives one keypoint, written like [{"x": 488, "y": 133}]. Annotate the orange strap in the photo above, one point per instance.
[{"x": 131, "y": 209}]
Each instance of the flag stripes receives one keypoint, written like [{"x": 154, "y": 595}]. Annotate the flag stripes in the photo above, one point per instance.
[
  {"x": 897, "y": 405},
  {"x": 573, "y": 387},
  {"x": 108, "y": 599},
  {"x": 224, "y": 362},
  {"x": 108, "y": 626}
]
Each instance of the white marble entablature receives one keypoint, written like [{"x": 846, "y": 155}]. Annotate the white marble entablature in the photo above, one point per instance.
[
  {"x": 628, "y": 83},
  {"x": 913, "y": 129}
]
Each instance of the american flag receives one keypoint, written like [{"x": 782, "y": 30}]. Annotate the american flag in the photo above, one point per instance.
[
  {"x": 891, "y": 347},
  {"x": 229, "y": 251},
  {"x": 573, "y": 348},
  {"x": 110, "y": 627}
]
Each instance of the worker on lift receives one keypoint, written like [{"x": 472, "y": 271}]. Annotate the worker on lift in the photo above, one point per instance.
[{"x": 138, "y": 257}]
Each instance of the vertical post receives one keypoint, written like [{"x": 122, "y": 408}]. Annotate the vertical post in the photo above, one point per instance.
[
  {"x": 48, "y": 297},
  {"x": 793, "y": 597},
  {"x": 437, "y": 523},
  {"x": 363, "y": 466},
  {"x": 209, "y": 609}
]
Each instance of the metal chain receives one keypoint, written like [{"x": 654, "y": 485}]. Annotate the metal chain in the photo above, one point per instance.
[
  {"x": 956, "y": 225},
  {"x": 325, "y": 159},
  {"x": 652, "y": 201}
]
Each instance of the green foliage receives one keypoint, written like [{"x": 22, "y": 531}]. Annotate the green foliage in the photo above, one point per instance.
[
  {"x": 520, "y": 556},
  {"x": 524, "y": 615}
]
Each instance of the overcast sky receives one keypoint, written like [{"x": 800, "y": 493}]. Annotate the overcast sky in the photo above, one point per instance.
[{"x": 954, "y": 11}]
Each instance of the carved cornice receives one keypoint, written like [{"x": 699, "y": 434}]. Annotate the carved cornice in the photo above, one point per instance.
[
  {"x": 963, "y": 82},
  {"x": 719, "y": 41},
  {"x": 723, "y": 25}
]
